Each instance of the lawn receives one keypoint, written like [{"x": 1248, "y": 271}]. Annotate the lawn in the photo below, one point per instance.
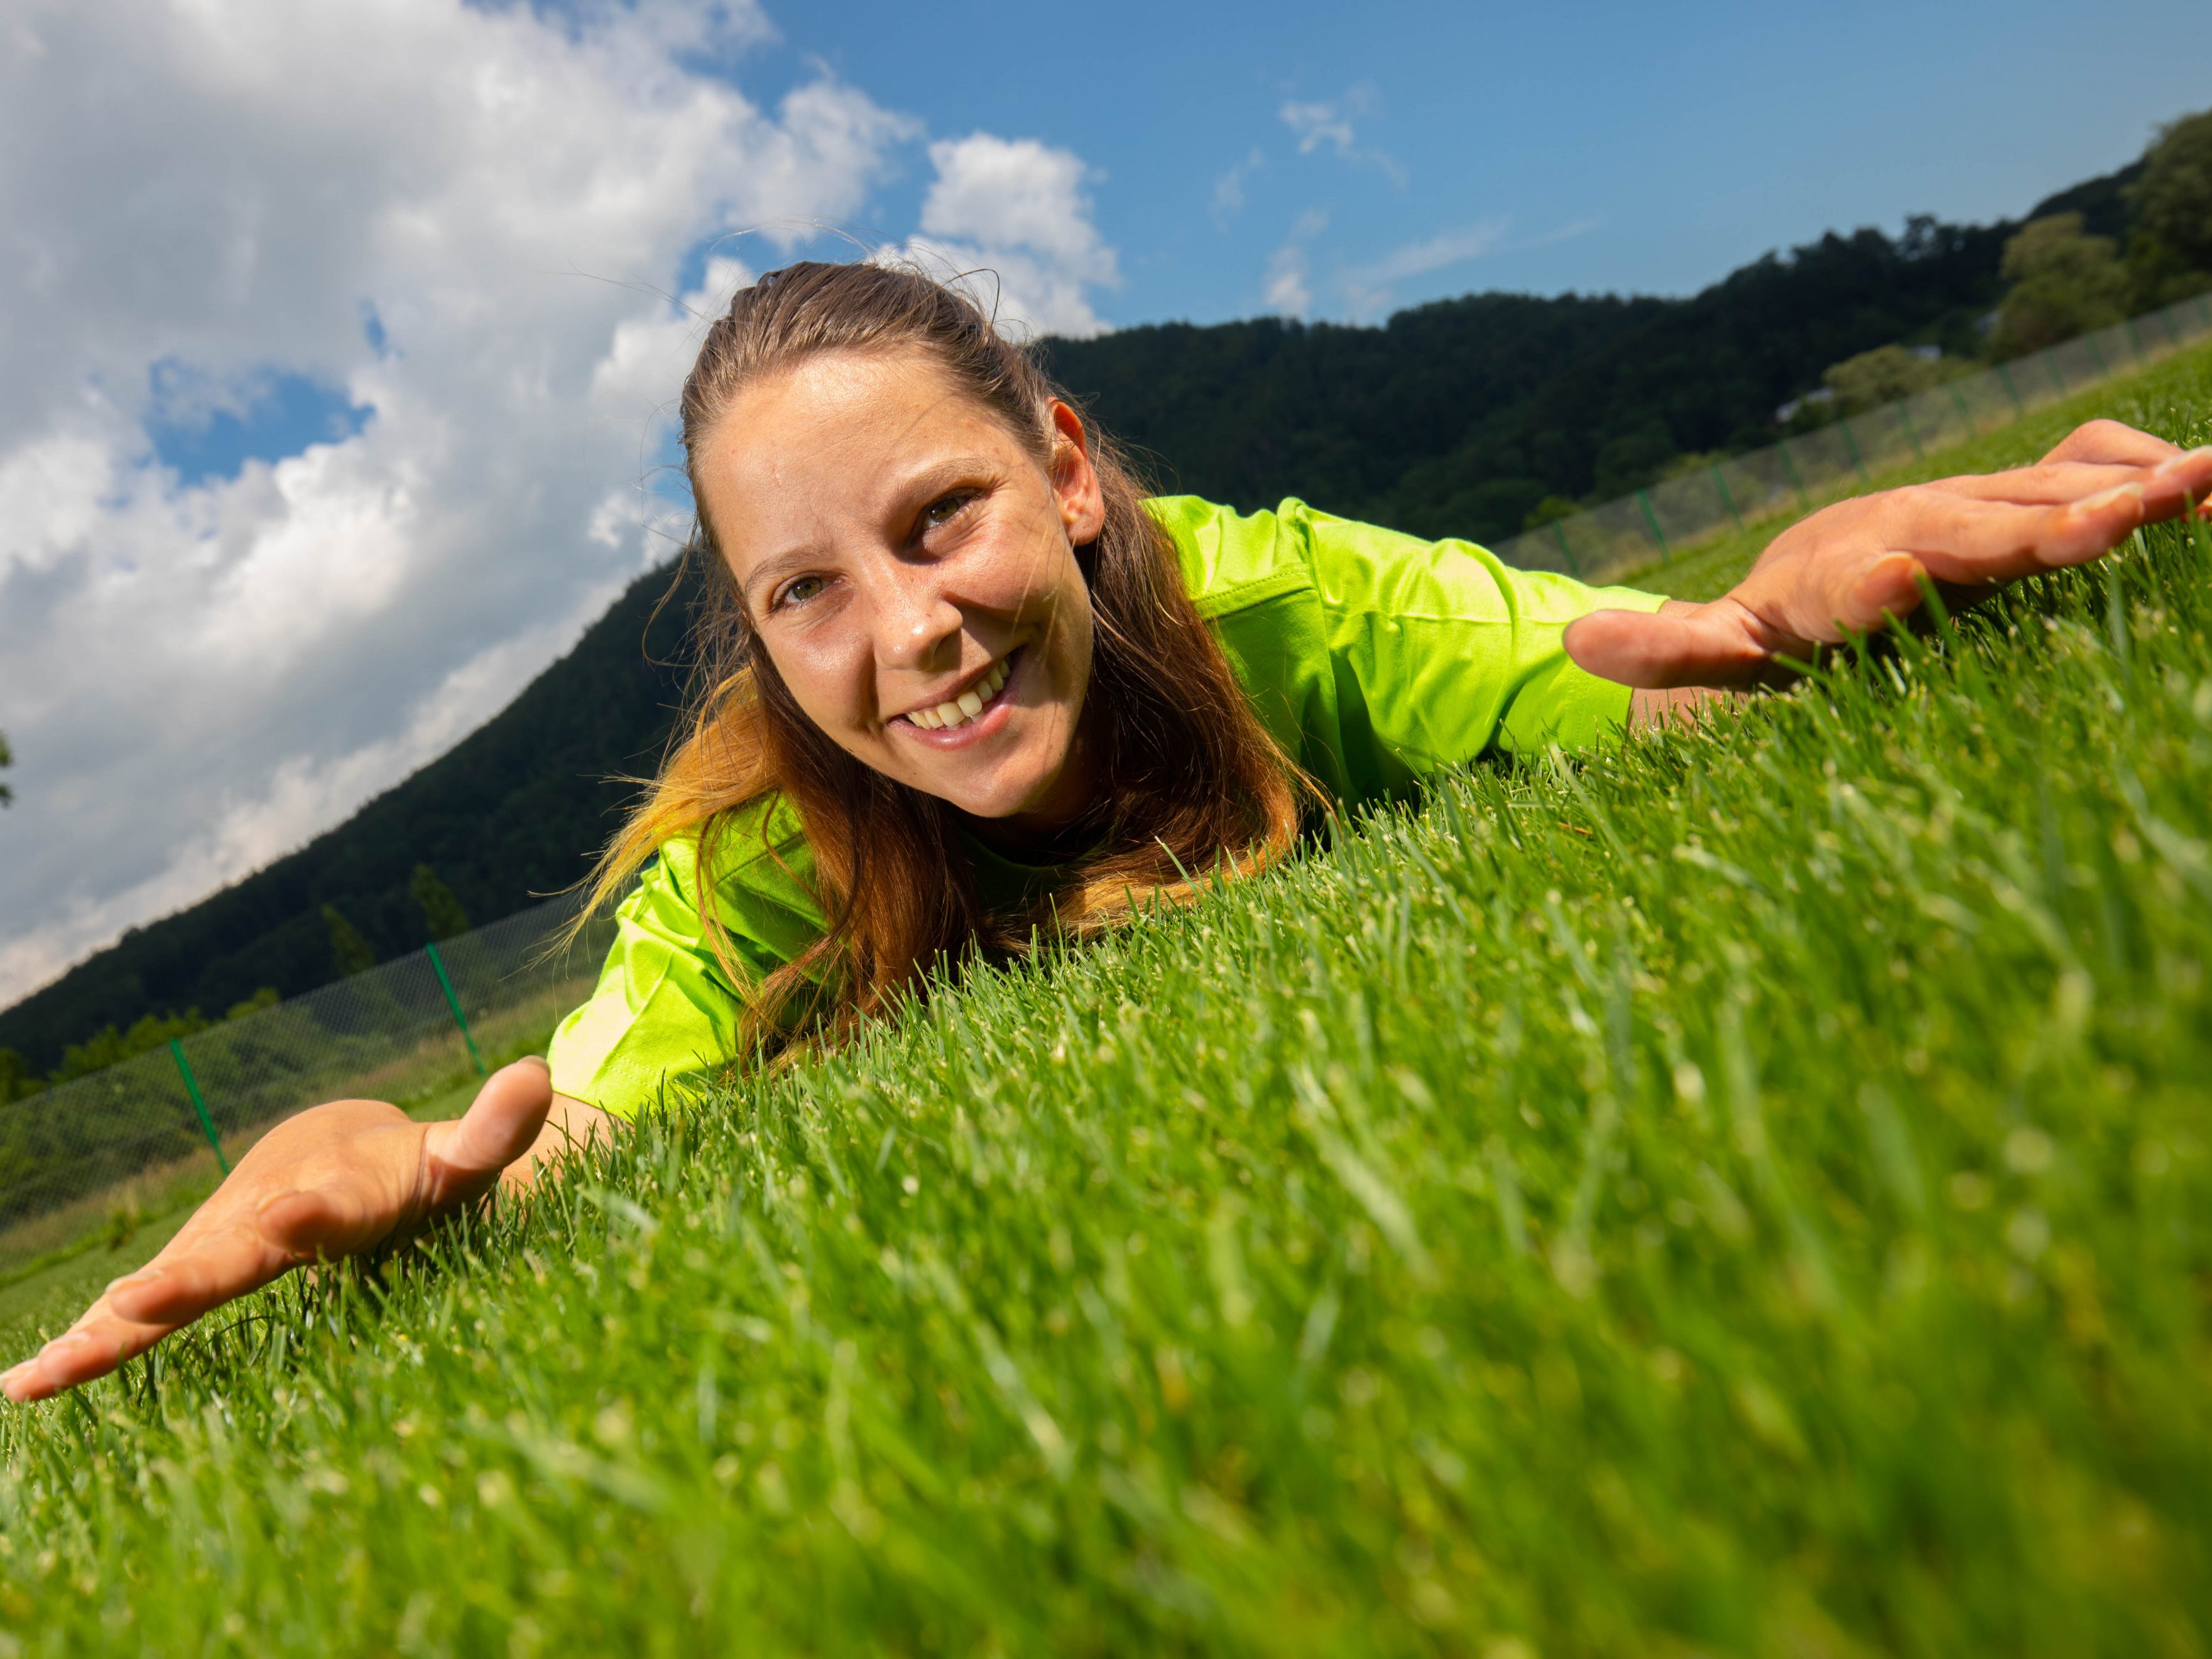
[{"x": 1743, "y": 1193}]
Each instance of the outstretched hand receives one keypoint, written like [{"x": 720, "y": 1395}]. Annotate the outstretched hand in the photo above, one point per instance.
[
  {"x": 1849, "y": 569},
  {"x": 331, "y": 1183}
]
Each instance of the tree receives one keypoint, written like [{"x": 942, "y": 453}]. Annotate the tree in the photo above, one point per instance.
[
  {"x": 442, "y": 911},
  {"x": 2064, "y": 284},
  {"x": 7, "y": 795},
  {"x": 111, "y": 1046},
  {"x": 1549, "y": 510},
  {"x": 2172, "y": 247},
  {"x": 1884, "y": 375},
  {"x": 349, "y": 950},
  {"x": 16, "y": 1079}
]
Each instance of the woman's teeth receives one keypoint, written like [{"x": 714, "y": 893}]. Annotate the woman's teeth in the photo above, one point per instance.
[{"x": 965, "y": 707}]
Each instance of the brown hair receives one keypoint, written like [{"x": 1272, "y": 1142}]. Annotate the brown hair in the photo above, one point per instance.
[{"x": 1193, "y": 784}]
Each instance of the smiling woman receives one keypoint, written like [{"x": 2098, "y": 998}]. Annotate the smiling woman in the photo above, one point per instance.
[
  {"x": 904, "y": 519},
  {"x": 965, "y": 684}
]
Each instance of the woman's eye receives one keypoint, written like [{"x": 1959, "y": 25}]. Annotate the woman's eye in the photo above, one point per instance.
[
  {"x": 798, "y": 591},
  {"x": 945, "y": 509}
]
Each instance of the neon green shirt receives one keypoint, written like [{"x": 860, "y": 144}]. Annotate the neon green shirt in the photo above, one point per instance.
[{"x": 1373, "y": 658}]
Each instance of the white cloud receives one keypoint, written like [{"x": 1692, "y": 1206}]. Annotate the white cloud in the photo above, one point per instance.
[
  {"x": 195, "y": 679},
  {"x": 1328, "y": 121},
  {"x": 1318, "y": 124},
  {"x": 1368, "y": 286},
  {"x": 1010, "y": 217},
  {"x": 1229, "y": 188},
  {"x": 1287, "y": 289},
  {"x": 1566, "y": 233}
]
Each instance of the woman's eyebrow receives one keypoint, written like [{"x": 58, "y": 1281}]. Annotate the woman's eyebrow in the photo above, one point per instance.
[
  {"x": 937, "y": 475},
  {"x": 775, "y": 565}
]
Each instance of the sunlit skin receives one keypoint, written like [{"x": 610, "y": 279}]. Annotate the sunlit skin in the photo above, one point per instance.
[
  {"x": 894, "y": 544},
  {"x": 894, "y": 541}
]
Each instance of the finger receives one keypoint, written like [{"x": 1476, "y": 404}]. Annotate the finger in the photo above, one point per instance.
[
  {"x": 1978, "y": 543},
  {"x": 1716, "y": 645},
  {"x": 2045, "y": 483},
  {"x": 121, "y": 1324},
  {"x": 464, "y": 1158},
  {"x": 2111, "y": 442},
  {"x": 2182, "y": 477},
  {"x": 1889, "y": 587},
  {"x": 95, "y": 1345},
  {"x": 240, "y": 1258}
]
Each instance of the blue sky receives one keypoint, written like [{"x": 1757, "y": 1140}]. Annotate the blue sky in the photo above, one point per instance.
[
  {"x": 1242, "y": 159},
  {"x": 1603, "y": 146}
]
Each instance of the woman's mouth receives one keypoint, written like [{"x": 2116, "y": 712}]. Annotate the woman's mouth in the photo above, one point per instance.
[{"x": 972, "y": 704}]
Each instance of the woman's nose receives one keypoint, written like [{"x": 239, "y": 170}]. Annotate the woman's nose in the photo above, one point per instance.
[{"x": 916, "y": 626}]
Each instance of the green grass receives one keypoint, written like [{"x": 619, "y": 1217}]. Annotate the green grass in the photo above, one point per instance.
[{"x": 1749, "y": 1193}]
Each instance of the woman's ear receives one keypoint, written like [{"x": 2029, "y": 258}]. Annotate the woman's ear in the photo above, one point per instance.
[{"x": 1074, "y": 480}]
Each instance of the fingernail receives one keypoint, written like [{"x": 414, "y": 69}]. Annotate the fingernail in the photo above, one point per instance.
[
  {"x": 2105, "y": 498},
  {"x": 2187, "y": 457}
]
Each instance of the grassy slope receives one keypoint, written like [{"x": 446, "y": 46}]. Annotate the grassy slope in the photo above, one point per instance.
[{"x": 1747, "y": 1195}]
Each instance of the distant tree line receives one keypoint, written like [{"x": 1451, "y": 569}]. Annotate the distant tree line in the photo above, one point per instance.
[{"x": 1473, "y": 417}]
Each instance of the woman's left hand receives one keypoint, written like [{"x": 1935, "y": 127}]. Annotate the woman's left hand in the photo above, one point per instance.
[{"x": 1850, "y": 567}]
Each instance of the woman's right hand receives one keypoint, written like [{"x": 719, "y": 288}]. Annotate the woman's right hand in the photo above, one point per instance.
[{"x": 334, "y": 1180}]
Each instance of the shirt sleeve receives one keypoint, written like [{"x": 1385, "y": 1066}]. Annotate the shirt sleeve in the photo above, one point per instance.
[
  {"x": 665, "y": 1008},
  {"x": 1452, "y": 652}
]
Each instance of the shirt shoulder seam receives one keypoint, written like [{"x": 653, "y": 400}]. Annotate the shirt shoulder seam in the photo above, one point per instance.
[{"x": 1257, "y": 590}]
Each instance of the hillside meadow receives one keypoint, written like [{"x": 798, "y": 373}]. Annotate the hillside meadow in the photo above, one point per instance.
[{"x": 1747, "y": 1191}]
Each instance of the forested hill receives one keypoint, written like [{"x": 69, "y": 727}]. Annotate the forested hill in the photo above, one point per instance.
[
  {"x": 1455, "y": 417},
  {"x": 513, "y": 813},
  {"x": 1458, "y": 417}
]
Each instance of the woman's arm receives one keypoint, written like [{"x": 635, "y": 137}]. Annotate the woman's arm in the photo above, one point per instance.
[
  {"x": 1850, "y": 567},
  {"x": 333, "y": 1182}
]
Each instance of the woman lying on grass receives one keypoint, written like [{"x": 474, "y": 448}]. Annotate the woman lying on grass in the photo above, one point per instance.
[{"x": 965, "y": 684}]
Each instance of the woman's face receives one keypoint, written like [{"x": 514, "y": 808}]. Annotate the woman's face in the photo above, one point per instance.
[{"x": 910, "y": 567}]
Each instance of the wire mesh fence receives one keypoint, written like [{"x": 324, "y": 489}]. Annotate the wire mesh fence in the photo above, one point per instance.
[
  {"x": 1800, "y": 471},
  {"x": 397, "y": 1032}
]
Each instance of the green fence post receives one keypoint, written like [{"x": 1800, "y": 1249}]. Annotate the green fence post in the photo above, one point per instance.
[
  {"x": 1790, "y": 465},
  {"x": 2005, "y": 373},
  {"x": 2135, "y": 343},
  {"x": 445, "y": 984},
  {"x": 1904, "y": 419},
  {"x": 2051, "y": 368},
  {"x": 2104, "y": 369},
  {"x": 192, "y": 1088},
  {"x": 1728, "y": 496},
  {"x": 1566, "y": 552},
  {"x": 1651, "y": 523},
  {"x": 1851, "y": 443},
  {"x": 1965, "y": 413}
]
